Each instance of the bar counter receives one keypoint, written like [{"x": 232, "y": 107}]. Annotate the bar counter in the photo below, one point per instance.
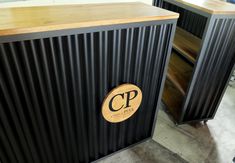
[{"x": 80, "y": 82}]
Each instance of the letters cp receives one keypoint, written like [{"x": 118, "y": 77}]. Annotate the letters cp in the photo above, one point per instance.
[{"x": 126, "y": 98}]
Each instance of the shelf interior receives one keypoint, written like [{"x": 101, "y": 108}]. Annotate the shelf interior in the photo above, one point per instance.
[
  {"x": 179, "y": 72},
  {"x": 186, "y": 44},
  {"x": 173, "y": 99},
  {"x": 178, "y": 77}
]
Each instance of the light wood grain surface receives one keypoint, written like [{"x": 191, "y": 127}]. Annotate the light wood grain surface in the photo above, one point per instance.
[
  {"x": 210, "y": 6},
  {"x": 49, "y": 18}
]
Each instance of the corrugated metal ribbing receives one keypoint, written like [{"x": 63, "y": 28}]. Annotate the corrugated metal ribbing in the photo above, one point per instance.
[
  {"x": 157, "y": 3},
  {"x": 52, "y": 89},
  {"x": 218, "y": 60},
  {"x": 191, "y": 22}
]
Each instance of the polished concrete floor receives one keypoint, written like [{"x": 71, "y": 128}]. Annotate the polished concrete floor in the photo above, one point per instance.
[
  {"x": 213, "y": 142},
  {"x": 147, "y": 152}
]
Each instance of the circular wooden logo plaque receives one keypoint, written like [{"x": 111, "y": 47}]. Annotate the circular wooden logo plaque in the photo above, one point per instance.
[{"x": 121, "y": 103}]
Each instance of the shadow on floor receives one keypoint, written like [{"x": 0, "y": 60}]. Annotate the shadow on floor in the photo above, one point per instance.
[{"x": 147, "y": 152}]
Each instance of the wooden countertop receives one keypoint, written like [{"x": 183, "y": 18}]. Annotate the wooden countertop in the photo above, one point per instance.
[
  {"x": 209, "y": 6},
  {"x": 48, "y": 18}
]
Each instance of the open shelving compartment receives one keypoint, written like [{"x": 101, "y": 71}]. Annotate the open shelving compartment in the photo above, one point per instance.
[
  {"x": 186, "y": 44},
  {"x": 183, "y": 57}
]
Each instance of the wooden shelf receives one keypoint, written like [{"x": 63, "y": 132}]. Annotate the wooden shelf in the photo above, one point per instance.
[
  {"x": 186, "y": 44},
  {"x": 179, "y": 72}
]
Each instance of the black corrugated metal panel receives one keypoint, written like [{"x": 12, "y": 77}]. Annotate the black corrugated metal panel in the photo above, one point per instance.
[
  {"x": 158, "y": 3},
  {"x": 188, "y": 20},
  {"x": 214, "y": 71},
  {"x": 52, "y": 89}
]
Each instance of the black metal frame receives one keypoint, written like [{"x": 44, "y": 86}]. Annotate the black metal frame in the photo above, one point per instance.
[
  {"x": 16, "y": 46},
  {"x": 213, "y": 66}
]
